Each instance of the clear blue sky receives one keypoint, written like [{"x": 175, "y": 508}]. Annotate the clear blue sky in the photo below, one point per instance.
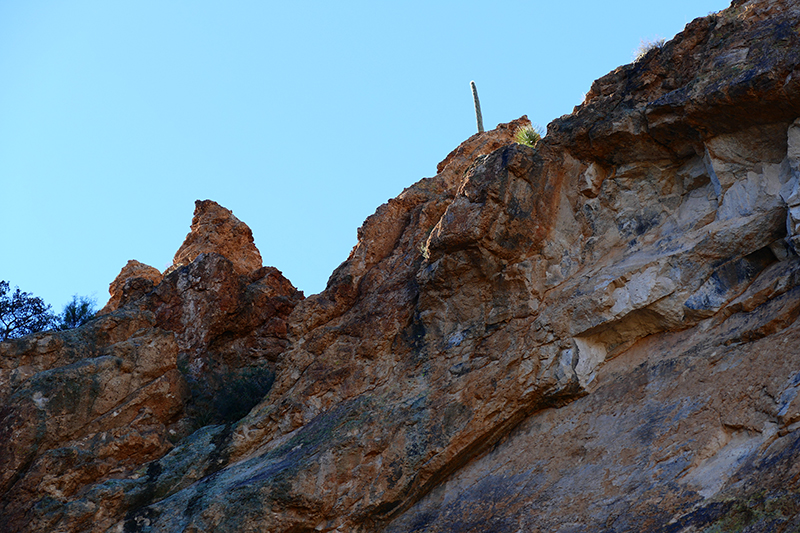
[{"x": 301, "y": 117}]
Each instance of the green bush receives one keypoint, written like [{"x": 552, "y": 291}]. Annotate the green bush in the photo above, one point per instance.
[
  {"x": 528, "y": 135},
  {"x": 227, "y": 397},
  {"x": 76, "y": 313},
  {"x": 242, "y": 393},
  {"x": 22, "y": 313}
]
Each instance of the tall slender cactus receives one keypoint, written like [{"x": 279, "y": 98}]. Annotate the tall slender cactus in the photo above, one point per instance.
[{"x": 477, "y": 106}]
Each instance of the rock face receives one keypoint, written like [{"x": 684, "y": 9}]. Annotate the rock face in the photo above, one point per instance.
[
  {"x": 216, "y": 230},
  {"x": 86, "y": 412},
  {"x": 134, "y": 279},
  {"x": 596, "y": 334}
]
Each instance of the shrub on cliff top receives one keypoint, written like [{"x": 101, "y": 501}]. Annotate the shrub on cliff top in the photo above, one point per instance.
[
  {"x": 528, "y": 135},
  {"x": 646, "y": 45},
  {"x": 22, "y": 314},
  {"x": 77, "y": 313}
]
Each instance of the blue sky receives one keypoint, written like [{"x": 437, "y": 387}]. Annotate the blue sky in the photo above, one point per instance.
[{"x": 300, "y": 117}]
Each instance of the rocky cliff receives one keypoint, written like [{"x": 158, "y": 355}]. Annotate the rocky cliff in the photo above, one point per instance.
[{"x": 595, "y": 334}]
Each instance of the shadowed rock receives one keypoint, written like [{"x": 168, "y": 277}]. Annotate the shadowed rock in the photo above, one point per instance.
[{"x": 598, "y": 334}]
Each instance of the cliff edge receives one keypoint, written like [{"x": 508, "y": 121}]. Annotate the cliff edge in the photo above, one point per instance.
[{"x": 598, "y": 333}]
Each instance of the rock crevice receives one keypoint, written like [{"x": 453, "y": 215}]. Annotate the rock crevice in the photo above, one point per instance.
[{"x": 598, "y": 333}]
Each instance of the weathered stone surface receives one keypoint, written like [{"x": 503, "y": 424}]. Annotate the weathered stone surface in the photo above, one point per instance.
[
  {"x": 133, "y": 281},
  {"x": 84, "y": 410},
  {"x": 599, "y": 334},
  {"x": 210, "y": 306},
  {"x": 216, "y": 230},
  {"x": 724, "y": 73},
  {"x": 82, "y": 405},
  {"x": 683, "y": 431},
  {"x": 451, "y": 169},
  {"x": 230, "y": 330}
]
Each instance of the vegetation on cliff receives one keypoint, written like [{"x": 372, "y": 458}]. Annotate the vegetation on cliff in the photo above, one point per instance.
[
  {"x": 21, "y": 313},
  {"x": 596, "y": 334}
]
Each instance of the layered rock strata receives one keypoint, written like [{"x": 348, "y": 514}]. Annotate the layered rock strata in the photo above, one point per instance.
[{"x": 595, "y": 334}]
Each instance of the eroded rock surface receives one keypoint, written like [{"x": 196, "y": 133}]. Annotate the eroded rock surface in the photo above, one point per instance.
[
  {"x": 598, "y": 334},
  {"x": 216, "y": 230},
  {"x": 85, "y": 412},
  {"x": 134, "y": 280}
]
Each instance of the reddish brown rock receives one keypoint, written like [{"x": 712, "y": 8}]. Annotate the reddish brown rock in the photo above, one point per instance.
[
  {"x": 724, "y": 73},
  {"x": 387, "y": 234},
  {"x": 599, "y": 334},
  {"x": 451, "y": 169},
  {"x": 85, "y": 408},
  {"x": 133, "y": 281},
  {"x": 216, "y": 230},
  {"x": 228, "y": 327}
]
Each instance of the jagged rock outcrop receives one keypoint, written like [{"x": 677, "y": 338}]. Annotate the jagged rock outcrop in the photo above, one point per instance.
[
  {"x": 216, "y": 230},
  {"x": 85, "y": 411},
  {"x": 133, "y": 281},
  {"x": 596, "y": 334}
]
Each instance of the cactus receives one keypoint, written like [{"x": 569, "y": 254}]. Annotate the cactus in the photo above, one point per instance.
[{"x": 478, "y": 115}]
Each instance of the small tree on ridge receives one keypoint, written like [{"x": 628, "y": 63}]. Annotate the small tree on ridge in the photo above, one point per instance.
[
  {"x": 22, "y": 314},
  {"x": 77, "y": 313}
]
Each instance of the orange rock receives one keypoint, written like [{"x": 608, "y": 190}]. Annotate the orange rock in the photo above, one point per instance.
[
  {"x": 117, "y": 289},
  {"x": 598, "y": 334},
  {"x": 216, "y": 230}
]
